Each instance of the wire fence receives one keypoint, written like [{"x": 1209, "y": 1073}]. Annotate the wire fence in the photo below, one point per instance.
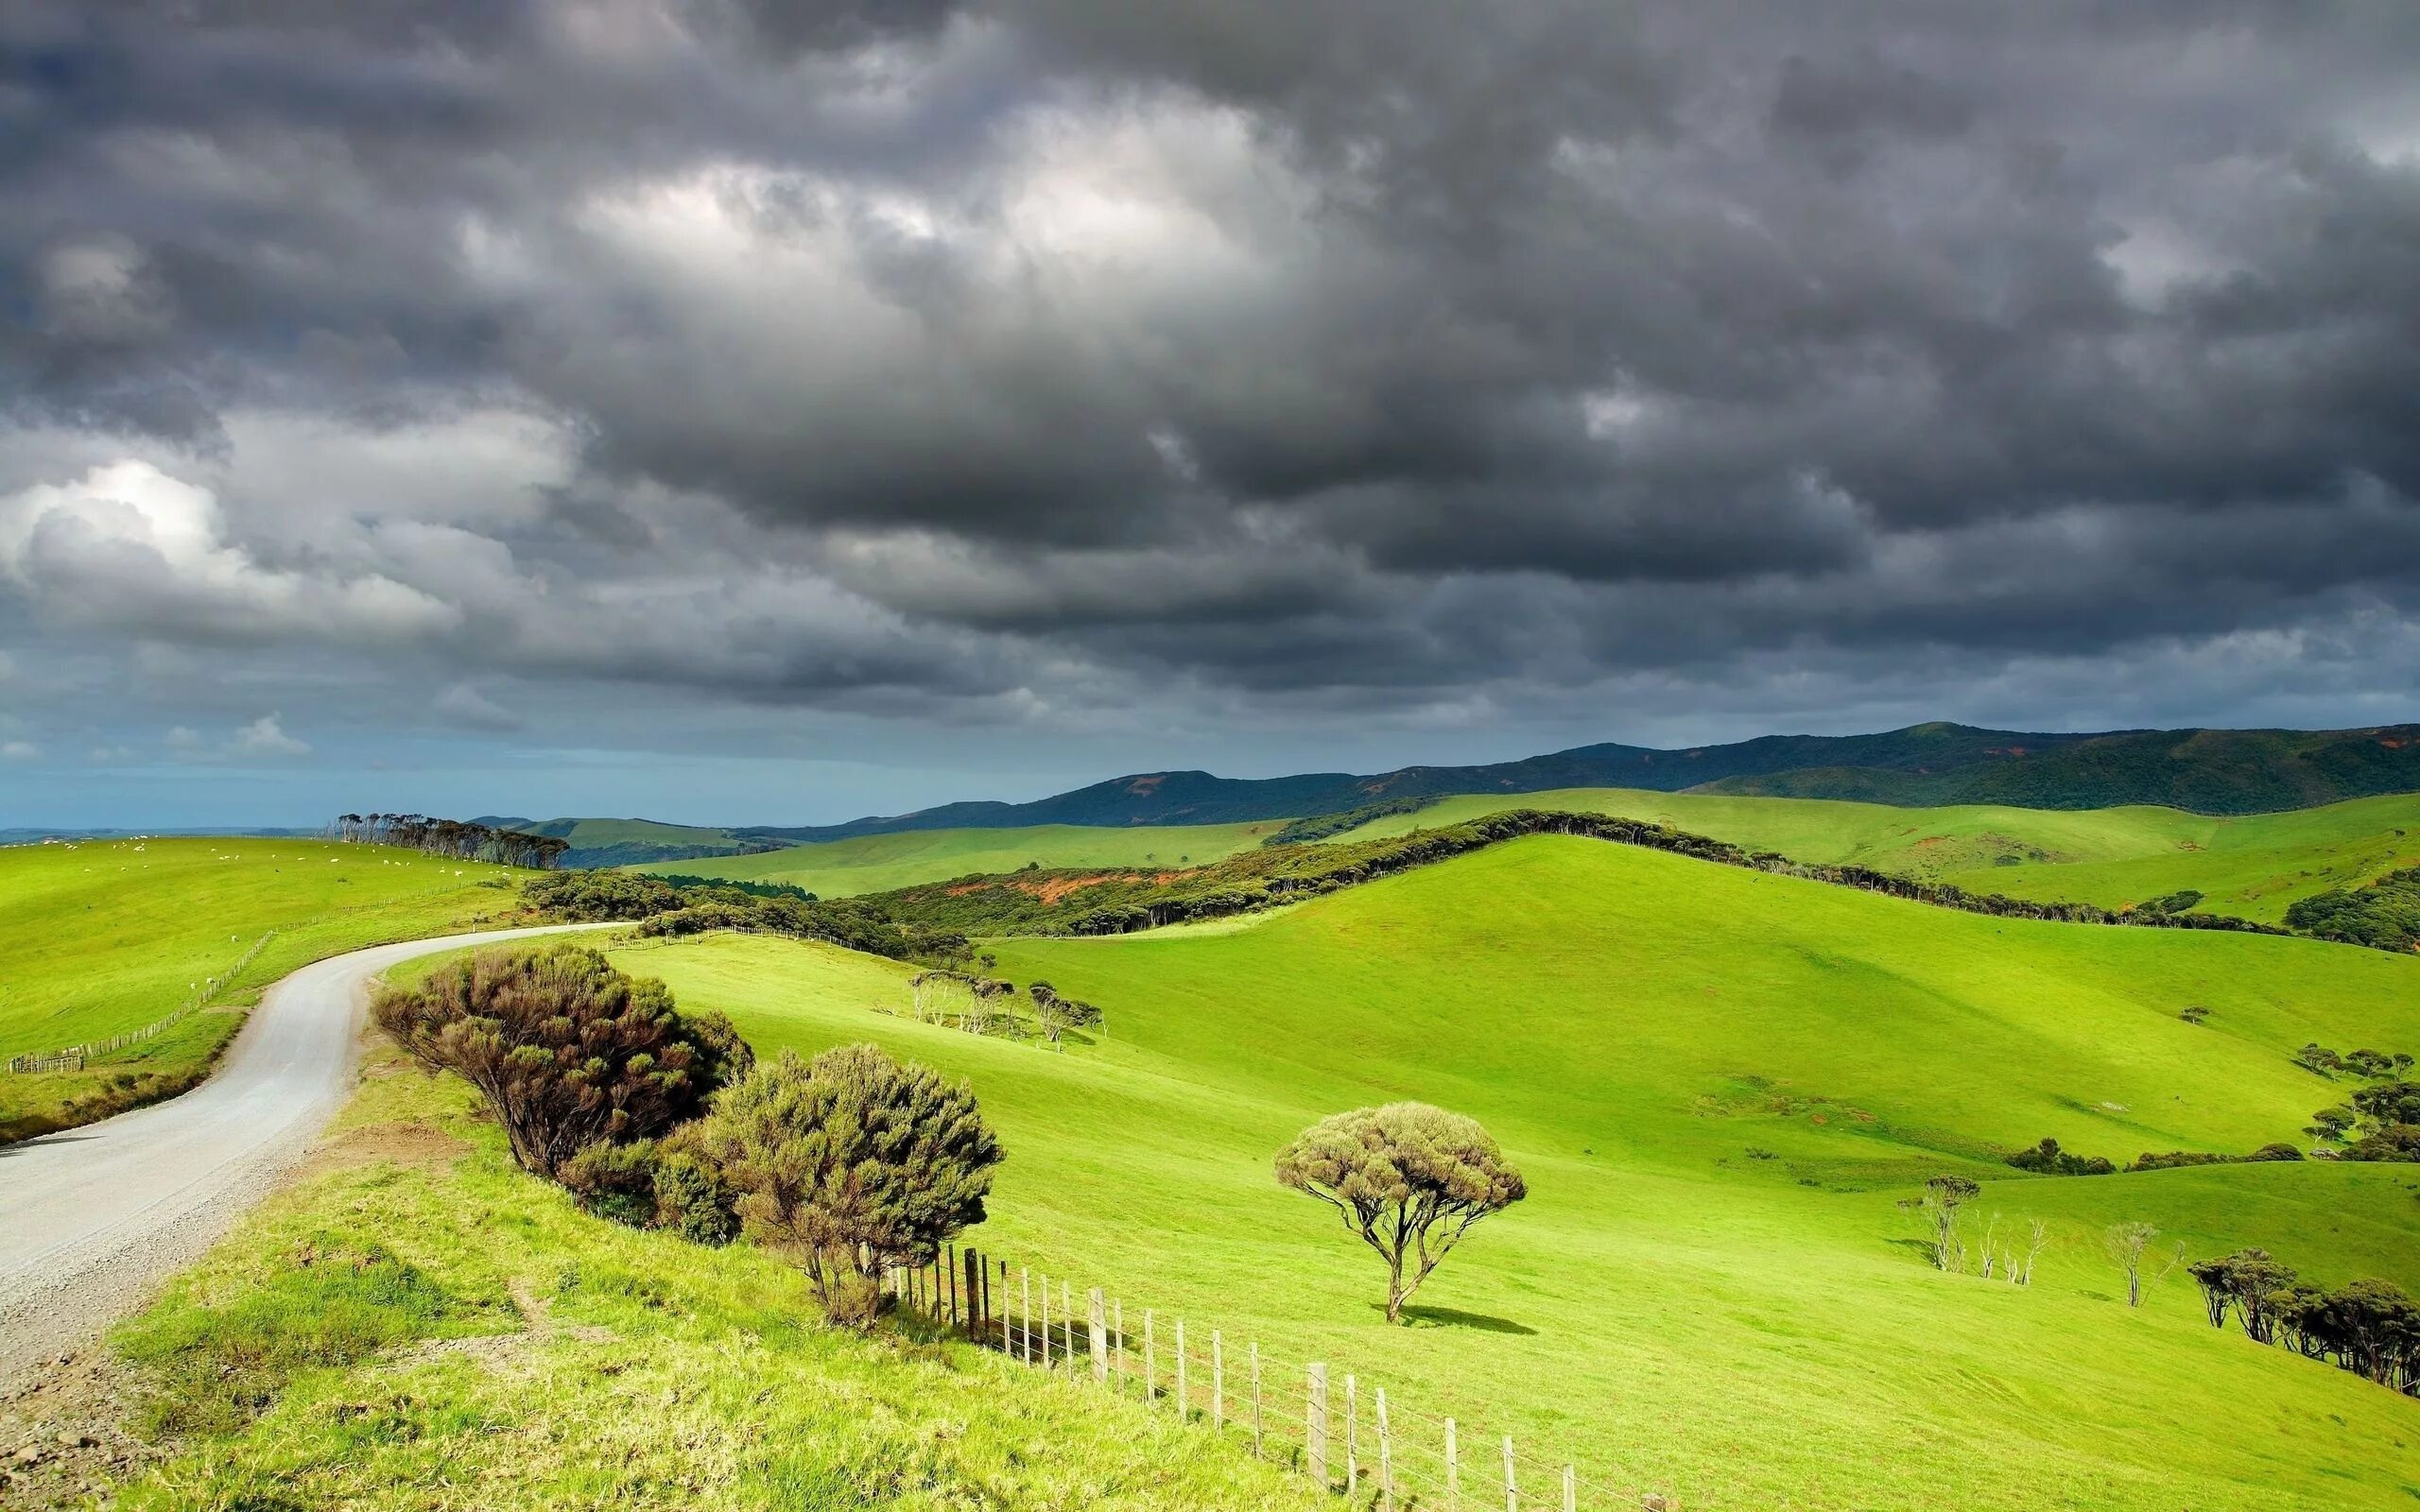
[
  {"x": 1339, "y": 1431},
  {"x": 74, "y": 1057}
]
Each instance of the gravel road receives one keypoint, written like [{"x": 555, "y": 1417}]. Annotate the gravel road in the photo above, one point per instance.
[{"x": 92, "y": 1218}]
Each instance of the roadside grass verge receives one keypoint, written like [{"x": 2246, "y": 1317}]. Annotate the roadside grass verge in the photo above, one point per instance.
[{"x": 425, "y": 1331}]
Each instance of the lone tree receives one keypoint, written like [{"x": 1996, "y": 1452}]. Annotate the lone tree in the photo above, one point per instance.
[
  {"x": 566, "y": 1050},
  {"x": 2126, "y": 1242},
  {"x": 1409, "y": 1178},
  {"x": 852, "y": 1164}
]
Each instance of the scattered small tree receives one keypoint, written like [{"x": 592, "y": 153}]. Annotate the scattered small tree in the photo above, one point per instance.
[
  {"x": 567, "y": 1051},
  {"x": 1408, "y": 1179},
  {"x": 852, "y": 1164},
  {"x": 2022, "y": 1274},
  {"x": 1942, "y": 1197},
  {"x": 2125, "y": 1245}
]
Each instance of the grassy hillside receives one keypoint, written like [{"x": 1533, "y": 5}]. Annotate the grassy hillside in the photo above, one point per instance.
[
  {"x": 629, "y": 842},
  {"x": 420, "y": 1326},
  {"x": 109, "y": 936},
  {"x": 879, "y": 863},
  {"x": 1719, "y": 1083},
  {"x": 2253, "y": 867}
]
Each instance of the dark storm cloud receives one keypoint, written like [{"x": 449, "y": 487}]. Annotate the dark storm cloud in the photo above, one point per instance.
[{"x": 1068, "y": 354}]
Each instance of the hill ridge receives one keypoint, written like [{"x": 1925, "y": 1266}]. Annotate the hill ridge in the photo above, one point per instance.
[{"x": 2198, "y": 770}]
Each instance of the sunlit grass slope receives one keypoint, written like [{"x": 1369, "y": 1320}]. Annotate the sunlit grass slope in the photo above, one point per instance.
[
  {"x": 2253, "y": 866},
  {"x": 877, "y": 863},
  {"x": 107, "y": 936},
  {"x": 1720, "y": 1084},
  {"x": 424, "y": 1327}
]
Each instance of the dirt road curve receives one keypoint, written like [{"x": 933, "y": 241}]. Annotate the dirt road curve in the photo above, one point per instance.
[{"x": 92, "y": 1218}]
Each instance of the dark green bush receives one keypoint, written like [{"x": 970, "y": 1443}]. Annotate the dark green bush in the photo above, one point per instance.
[{"x": 2049, "y": 1159}]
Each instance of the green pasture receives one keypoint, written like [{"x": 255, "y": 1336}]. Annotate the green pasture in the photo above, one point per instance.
[
  {"x": 877, "y": 863},
  {"x": 1720, "y": 1084},
  {"x": 107, "y": 936},
  {"x": 2252, "y": 865}
]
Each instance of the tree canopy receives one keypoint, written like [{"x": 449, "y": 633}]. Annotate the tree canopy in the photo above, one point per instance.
[
  {"x": 850, "y": 1163},
  {"x": 1408, "y": 1180},
  {"x": 566, "y": 1050}
]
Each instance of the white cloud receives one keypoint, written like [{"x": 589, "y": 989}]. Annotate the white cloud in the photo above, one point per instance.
[
  {"x": 129, "y": 546},
  {"x": 19, "y": 750},
  {"x": 263, "y": 737}
]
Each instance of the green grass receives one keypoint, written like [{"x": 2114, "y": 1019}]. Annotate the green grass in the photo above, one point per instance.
[
  {"x": 2253, "y": 866},
  {"x": 879, "y": 863},
  {"x": 596, "y": 835},
  {"x": 1669, "y": 1308},
  {"x": 104, "y": 936},
  {"x": 425, "y": 1326}
]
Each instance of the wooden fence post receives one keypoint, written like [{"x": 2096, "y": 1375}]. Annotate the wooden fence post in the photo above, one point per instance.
[
  {"x": 1046, "y": 1322},
  {"x": 1184, "y": 1399},
  {"x": 1571, "y": 1490},
  {"x": 1099, "y": 1321},
  {"x": 1351, "y": 1436},
  {"x": 1117, "y": 1329},
  {"x": 1151, "y": 1359},
  {"x": 1255, "y": 1400},
  {"x": 1453, "y": 1469},
  {"x": 1024, "y": 1319},
  {"x": 1385, "y": 1457},
  {"x": 1218, "y": 1385},
  {"x": 975, "y": 1319},
  {"x": 1315, "y": 1426},
  {"x": 1068, "y": 1322},
  {"x": 1511, "y": 1495}
]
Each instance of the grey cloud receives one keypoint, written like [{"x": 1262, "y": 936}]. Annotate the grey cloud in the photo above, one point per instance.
[{"x": 952, "y": 360}]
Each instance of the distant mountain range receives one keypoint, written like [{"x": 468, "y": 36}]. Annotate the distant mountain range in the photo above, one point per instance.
[{"x": 2207, "y": 771}]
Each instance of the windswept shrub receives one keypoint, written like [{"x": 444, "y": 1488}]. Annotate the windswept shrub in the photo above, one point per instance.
[
  {"x": 670, "y": 1184},
  {"x": 598, "y": 896},
  {"x": 2172, "y": 1159},
  {"x": 851, "y": 1163},
  {"x": 2049, "y": 1159},
  {"x": 567, "y": 1051}
]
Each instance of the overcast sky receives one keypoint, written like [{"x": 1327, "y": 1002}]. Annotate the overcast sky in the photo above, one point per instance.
[{"x": 779, "y": 412}]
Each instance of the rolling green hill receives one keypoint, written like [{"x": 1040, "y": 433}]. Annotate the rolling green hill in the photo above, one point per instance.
[
  {"x": 631, "y": 842},
  {"x": 2253, "y": 867},
  {"x": 109, "y": 936},
  {"x": 1720, "y": 1084},
  {"x": 879, "y": 863}
]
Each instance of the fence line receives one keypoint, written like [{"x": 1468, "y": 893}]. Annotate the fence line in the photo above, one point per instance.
[
  {"x": 74, "y": 1057},
  {"x": 1348, "y": 1436}
]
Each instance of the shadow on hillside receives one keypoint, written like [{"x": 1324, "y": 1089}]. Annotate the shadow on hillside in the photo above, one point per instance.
[{"x": 1447, "y": 1318}]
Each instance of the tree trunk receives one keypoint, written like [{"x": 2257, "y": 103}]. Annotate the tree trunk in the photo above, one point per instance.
[{"x": 1395, "y": 1293}]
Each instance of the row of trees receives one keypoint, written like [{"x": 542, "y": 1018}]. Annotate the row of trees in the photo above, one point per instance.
[
  {"x": 455, "y": 839},
  {"x": 2369, "y": 1327},
  {"x": 2380, "y": 1121},
  {"x": 846, "y": 1164},
  {"x": 673, "y": 906}
]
